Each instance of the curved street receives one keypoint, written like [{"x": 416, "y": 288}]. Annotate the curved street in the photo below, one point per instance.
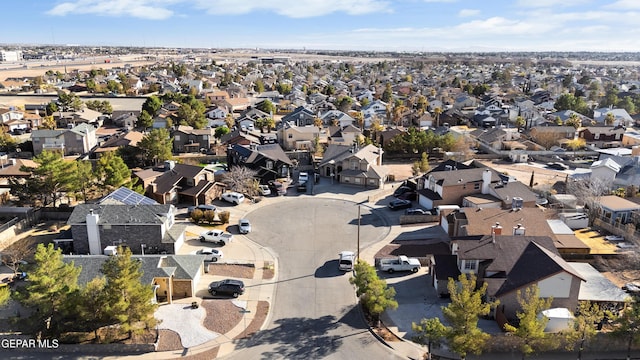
[{"x": 314, "y": 314}]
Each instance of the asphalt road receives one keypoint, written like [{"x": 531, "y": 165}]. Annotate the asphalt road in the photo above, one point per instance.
[{"x": 315, "y": 314}]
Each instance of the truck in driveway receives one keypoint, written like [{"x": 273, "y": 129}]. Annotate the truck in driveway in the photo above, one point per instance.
[
  {"x": 216, "y": 236},
  {"x": 401, "y": 263}
]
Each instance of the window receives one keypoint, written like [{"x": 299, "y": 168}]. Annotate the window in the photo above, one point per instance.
[
  {"x": 270, "y": 165},
  {"x": 290, "y": 136},
  {"x": 176, "y": 137},
  {"x": 354, "y": 165},
  {"x": 597, "y": 136},
  {"x": 357, "y": 180},
  {"x": 469, "y": 265},
  {"x": 476, "y": 186}
]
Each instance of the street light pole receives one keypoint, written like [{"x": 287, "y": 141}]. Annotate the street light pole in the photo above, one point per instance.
[{"x": 358, "y": 244}]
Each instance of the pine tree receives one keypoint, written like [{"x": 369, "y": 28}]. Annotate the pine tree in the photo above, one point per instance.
[
  {"x": 129, "y": 301},
  {"x": 584, "y": 325},
  {"x": 157, "y": 146},
  {"x": 111, "y": 171},
  {"x": 531, "y": 326},
  {"x": 375, "y": 296},
  {"x": 50, "y": 290},
  {"x": 429, "y": 332},
  {"x": 627, "y": 325},
  {"x": 462, "y": 313}
]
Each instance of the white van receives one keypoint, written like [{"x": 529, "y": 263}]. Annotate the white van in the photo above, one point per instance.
[{"x": 346, "y": 261}]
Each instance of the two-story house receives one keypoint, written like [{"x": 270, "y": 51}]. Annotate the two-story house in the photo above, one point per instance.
[
  {"x": 79, "y": 140},
  {"x": 354, "y": 166},
  {"x": 139, "y": 227},
  {"x": 507, "y": 264},
  {"x": 186, "y": 139},
  {"x": 294, "y": 137},
  {"x": 269, "y": 161},
  {"x": 602, "y": 136},
  {"x": 301, "y": 116},
  {"x": 182, "y": 183}
]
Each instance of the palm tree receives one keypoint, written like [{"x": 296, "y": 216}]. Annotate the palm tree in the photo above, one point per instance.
[
  {"x": 609, "y": 119},
  {"x": 437, "y": 111}
]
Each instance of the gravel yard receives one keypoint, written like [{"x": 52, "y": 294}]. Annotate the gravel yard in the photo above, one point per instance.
[{"x": 244, "y": 271}]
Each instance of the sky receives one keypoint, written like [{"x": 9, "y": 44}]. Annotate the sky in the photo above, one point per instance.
[{"x": 378, "y": 25}]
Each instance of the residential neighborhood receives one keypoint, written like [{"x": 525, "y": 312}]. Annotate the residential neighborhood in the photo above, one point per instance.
[{"x": 222, "y": 189}]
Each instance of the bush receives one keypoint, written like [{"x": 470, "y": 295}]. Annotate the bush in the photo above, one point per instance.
[
  {"x": 197, "y": 215},
  {"x": 224, "y": 216},
  {"x": 209, "y": 216}
]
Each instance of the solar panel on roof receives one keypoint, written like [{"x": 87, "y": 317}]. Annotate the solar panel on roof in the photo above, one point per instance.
[{"x": 128, "y": 197}]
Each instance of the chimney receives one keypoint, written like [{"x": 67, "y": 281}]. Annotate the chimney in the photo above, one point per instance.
[
  {"x": 169, "y": 165},
  {"x": 486, "y": 181},
  {"x": 496, "y": 229},
  {"x": 635, "y": 150},
  {"x": 379, "y": 159},
  {"x": 93, "y": 233},
  {"x": 518, "y": 230},
  {"x": 516, "y": 203}
]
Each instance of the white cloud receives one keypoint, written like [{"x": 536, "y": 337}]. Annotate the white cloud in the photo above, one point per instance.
[
  {"x": 146, "y": 9},
  {"x": 468, "y": 12},
  {"x": 624, "y": 5},
  {"x": 550, "y": 3},
  {"x": 295, "y": 8}
]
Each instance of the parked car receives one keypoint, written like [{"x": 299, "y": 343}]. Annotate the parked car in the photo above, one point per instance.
[
  {"x": 557, "y": 166},
  {"x": 399, "y": 204},
  {"x": 415, "y": 211},
  {"x": 409, "y": 195},
  {"x": 401, "y": 190},
  {"x": 233, "y": 197},
  {"x": 216, "y": 236},
  {"x": 303, "y": 178},
  {"x": 614, "y": 238},
  {"x": 244, "y": 226},
  {"x": 278, "y": 187},
  {"x": 201, "y": 207},
  {"x": 227, "y": 287},
  {"x": 346, "y": 260},
  {"x": 212, "y": 255},
  {"x": 264, "y": 190}
]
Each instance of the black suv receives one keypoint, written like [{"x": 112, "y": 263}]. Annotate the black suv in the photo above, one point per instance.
[{"x": 227, "y": 286}]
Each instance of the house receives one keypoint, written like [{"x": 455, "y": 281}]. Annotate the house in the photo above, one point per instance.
[
  {"x": 79, "y": 140},
  {"x": 375, "y": 109},
  {"x": 118, "y": 141},
  {"x": 355, "y": 166},
  {"x": 86, "y": 116},
  {"x": 218, "y": 97},
  {"x": 236, "y": 104},
  {"x": 216, "y": 113},
  {"x": 450, "y": 187},
  {"x": 269, "y": 161},
  {"x": 616, "y": 210},
  {"x": 172, "y": 276},
  {"x": 7, "y": 114},
  {"x": 343, "y": 135},
  {"x": 508, "y": 264},
  {"x": 96, "y": 226},
  {"x": 530, "y": 221},
  {"x": 239, "y": 137},
  {"x": 301, "y": 116},
  {"x": 182, "y": 183},
  {"x": 186, "y": 139},
  {"x": 604, "y": 171},
  {"x": 337, "y": 117},
  {"x": 125, "y": 119},
  {"x": 602, "y": 136},
  {"x": 622, "y": 117},
  {"x": 294, "y": 137}
]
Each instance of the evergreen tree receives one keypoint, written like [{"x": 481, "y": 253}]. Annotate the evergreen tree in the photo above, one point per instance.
[
  {"x": 387, "y": 94},
  {"x": 84, "y": 177},
  {"x": 111, "y": 171},
  {"x": 375, "y": 296},
  {"x": 69, "y": 102},
  {"x": 91, "y": 304},
  {"x": 531, "y": 326},
  {"x": 462, "y": 313},
  {"x": 588, "y": 316},
  {"x": 627, "y": 325},
  {"x": 152, "y": 105},
  {"x": 49, "y": 179},
  {"x": 129, "y": 301},
  {"x": 145, "y": 120},
  {"x": 429, "y": 332},
  {"x": 156, "y": 146},
  {"x": 49, "y": 291}
]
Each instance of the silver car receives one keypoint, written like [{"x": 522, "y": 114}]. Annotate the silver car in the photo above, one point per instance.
[
  {"x": 244, "y": 226},
  {"x": 212, "y": 255}
]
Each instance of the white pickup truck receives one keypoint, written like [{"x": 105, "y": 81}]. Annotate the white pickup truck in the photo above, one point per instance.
[
  {"x": 401, "y": 263},
  {"x": 216, "y": 236}
]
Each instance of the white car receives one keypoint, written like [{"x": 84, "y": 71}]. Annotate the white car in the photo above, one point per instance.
[
  {"x": 212, "y": 255},
  {"x": 244, "y": 226},
  {"x": 264, "y": 190},
  {"x": 233, "y": 197}
]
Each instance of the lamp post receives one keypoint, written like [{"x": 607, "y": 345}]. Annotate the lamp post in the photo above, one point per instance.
[
  {"x": 142, "y": 246},
  {"x": 358, "y": 240}
]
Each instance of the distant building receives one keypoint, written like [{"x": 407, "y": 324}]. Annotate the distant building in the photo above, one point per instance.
[{"x": 6, "y": 56}]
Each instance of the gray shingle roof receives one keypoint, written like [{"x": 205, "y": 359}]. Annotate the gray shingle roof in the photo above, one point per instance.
[{"x": 121, "y": 214}]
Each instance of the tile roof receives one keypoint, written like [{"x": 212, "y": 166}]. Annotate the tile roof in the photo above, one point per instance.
[
  {"x": 534, "y": 220},
  {"x": 617, "y": 203}
]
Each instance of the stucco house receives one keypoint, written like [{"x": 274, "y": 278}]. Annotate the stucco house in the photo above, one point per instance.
[{"x": 354, "y": 166}]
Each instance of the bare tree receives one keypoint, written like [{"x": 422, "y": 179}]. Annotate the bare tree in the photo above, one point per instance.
[
  {"x": 240, "y": 179},
  {"x": 588, "y": 193},
  {"x": 15, "y": 255}
]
